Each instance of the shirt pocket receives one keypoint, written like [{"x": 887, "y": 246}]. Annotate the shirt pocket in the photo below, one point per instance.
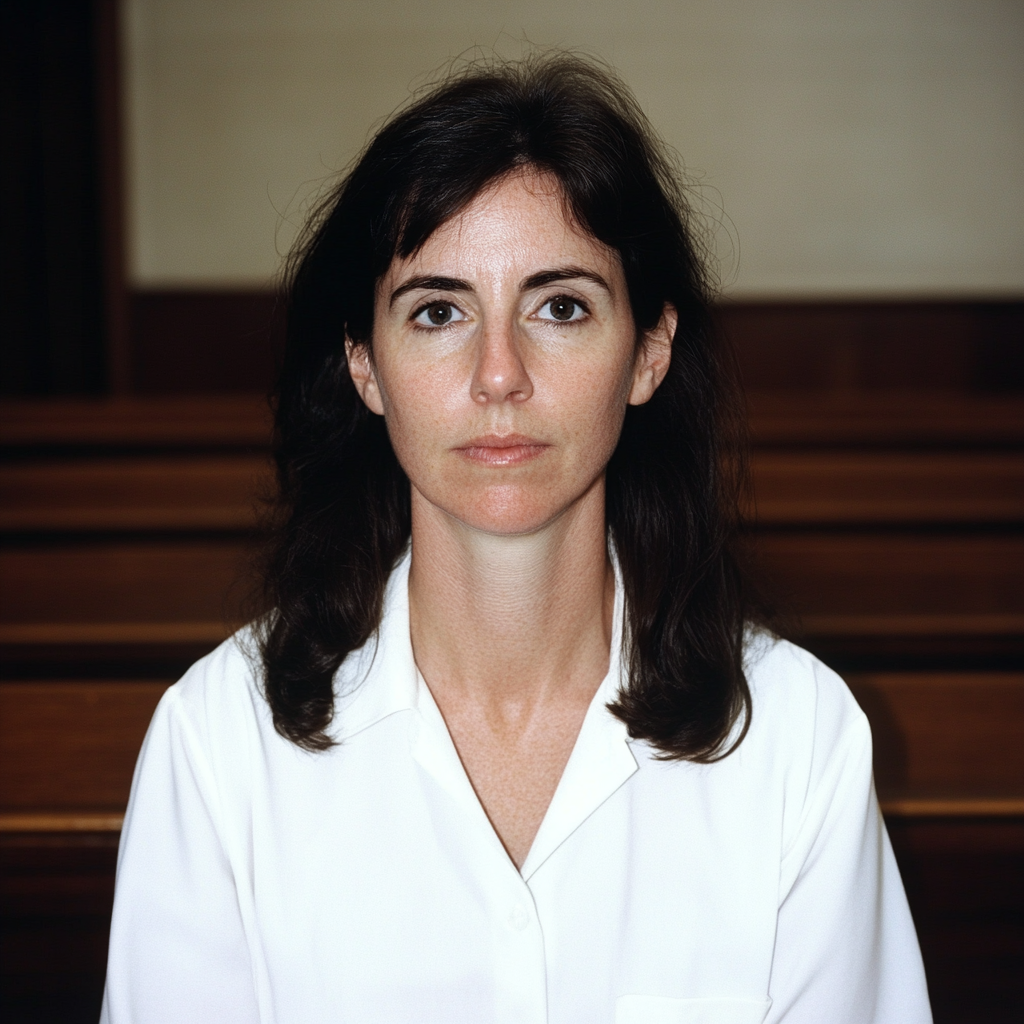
[{"x": 665, "y": 1010}]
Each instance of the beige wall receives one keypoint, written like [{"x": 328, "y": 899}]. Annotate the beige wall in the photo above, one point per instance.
[{"x": 856, "y": 147}]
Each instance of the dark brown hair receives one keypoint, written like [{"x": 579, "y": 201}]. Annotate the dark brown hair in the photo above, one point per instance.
[{"x": 672, "y": 483}]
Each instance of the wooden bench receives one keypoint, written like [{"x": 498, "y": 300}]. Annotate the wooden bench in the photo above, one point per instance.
[{"x": 892, "y": 528}]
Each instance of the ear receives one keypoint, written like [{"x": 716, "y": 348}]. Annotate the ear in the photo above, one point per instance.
[
  {"x": 653, "y": 357},
  {"x": 364, "y": 375}
]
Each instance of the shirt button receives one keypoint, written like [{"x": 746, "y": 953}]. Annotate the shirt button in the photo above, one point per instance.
[{"x": 519, "y": 918}]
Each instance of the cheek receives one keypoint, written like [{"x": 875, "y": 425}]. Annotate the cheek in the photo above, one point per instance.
[
  {"x": 597, "y": 403},
  {"x": 418, "y": 407}
]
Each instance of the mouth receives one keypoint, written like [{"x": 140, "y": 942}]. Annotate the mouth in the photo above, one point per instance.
[{"x": 507, "y": 450}]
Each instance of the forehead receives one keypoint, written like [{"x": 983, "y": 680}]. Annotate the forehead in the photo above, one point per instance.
[{"x": 520, "y": 221}]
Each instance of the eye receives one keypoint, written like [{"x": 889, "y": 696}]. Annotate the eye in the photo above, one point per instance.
[
  {"x": 438, "y": 314},
  {"x": 562, "y": 309}
]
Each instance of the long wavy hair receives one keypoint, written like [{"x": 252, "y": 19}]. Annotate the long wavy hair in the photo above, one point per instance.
[{"x": 673, "y": 482}]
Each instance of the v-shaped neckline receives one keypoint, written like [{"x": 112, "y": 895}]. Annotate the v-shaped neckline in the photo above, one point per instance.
[{"x": 599, "y": 763}]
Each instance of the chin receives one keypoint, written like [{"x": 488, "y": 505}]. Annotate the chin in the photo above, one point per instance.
[
  {"x": 508, "y": 518},
  {"x": 504, "y": 511}
]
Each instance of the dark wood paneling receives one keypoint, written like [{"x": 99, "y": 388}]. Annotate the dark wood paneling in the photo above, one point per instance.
[
  {"x": 55, "y": 898},
  {"x": 174, "y": 583},
  {"x": 851, "y": 586},
  {"x": 965, "y": 884},
  {"x": 891, "y": 520},
  {"x": 205, "y": 492},
  {"x": 862, "y": 488},
  {"x": 69, "y": 746},
  {"x": 873, "y": 346},
  {"x": 824, "y": 574},
  {"x": 945, "y": 733},
  {"x": 204, "y": 341},
  {"x": 885, "y": 421},
  {"x": 190, "y": 423}
]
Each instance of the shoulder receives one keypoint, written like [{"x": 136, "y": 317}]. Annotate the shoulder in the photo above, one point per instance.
[
  {"x": 807, "y": 731},
  {"x": 220, "y": 699},
  {"x": 806, "y": 753},
  {"x": 795, "y": 692}
]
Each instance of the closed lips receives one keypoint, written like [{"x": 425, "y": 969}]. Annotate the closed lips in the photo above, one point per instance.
[{"x": 503, "y": 451}]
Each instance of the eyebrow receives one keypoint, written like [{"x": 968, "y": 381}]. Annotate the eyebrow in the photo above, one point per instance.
[
  {"x": 546, "y": 277},
  {"x": 441, "y": 284},
  {"x": 538, "y": 280}
]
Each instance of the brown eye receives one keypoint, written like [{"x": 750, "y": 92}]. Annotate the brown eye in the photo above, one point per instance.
[
  {"x": 439, "y": 314},
  {"x": 562, "y": 309}
]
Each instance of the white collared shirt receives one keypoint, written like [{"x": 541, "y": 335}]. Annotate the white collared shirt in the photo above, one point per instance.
[{"x": 259, "y": 882}]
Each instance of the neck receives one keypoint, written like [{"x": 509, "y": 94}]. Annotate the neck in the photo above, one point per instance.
[{"x": 512, "y": 621}]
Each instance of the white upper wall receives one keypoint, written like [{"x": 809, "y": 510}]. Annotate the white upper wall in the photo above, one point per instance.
[{"x": 856, "y": 147}]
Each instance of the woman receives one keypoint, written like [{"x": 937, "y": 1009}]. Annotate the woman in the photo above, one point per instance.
[{"x": 508, "y": 747}]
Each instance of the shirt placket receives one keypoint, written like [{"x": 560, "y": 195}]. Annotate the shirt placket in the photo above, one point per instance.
[{"x": 520, "y": 963}]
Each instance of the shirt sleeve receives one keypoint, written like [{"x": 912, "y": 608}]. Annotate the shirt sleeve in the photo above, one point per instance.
[
  {"x": 846, "y": 951},
  {"x": 177, "y": 945}
]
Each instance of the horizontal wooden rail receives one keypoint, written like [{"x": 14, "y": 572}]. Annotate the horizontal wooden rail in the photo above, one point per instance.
[
  {"x": 905, "y": 807},
  {"x": 923, "y": 582},
  {"x": 945, "y": 734},
  {"x": 912, "y": 625},
  {"x": 952, "y": 807},
  {"x": 57, "y": 821},
  {"x": 114, "y": 581},
  {"x": 883, "y": 487},
  {"x": 885, "y": 419},
  {"x": 76, "y": 633},
  {"x": 215, "y": 422},
  {"x": 134, "y": 494},
  {"x": 71, "y": 745}
]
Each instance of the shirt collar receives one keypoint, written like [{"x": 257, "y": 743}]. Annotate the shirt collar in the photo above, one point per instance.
[
  {"x": 601, "y": 760},
  {"x": 382, "y": 679}
]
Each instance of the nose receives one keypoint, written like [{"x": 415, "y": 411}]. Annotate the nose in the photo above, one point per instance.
[{"x": 500, "y": 374}]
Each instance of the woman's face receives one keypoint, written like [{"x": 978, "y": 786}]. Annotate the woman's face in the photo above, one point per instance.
[{"x": 504, "y": 356}]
